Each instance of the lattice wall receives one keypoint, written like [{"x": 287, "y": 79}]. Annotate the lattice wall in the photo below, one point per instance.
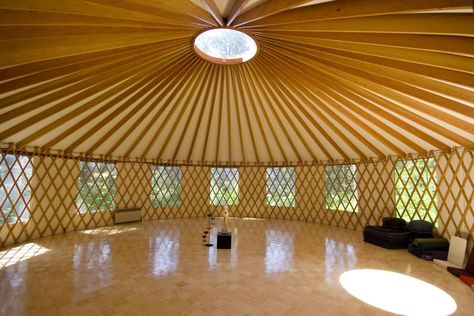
[{"x": 54, "y": 188}]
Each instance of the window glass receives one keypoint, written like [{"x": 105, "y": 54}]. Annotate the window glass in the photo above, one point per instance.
[
  {"x": 166, "y": 186},
  {"x": 224, "y": 186},
  {"x": 415, "y": 189},
  {"x": 96, "y": 186},
  {"x": 281, "y": 189},
  {"x": 341, "y": 190},
  {"x": 15, "y": 192}
]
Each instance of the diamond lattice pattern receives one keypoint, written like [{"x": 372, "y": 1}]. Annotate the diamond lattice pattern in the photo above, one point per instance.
[
  {"x": 166, "y": 186},
  {"x": 53, "y": 194},
  {"x": 281, "y": 190},
  {"x": 15, "y": 193},
  {"x": 415, "y": 189},
  {"x": 96, "y": 186},
  {"x": 341, "y": 188},
  {"x": 224, "y": 186}
]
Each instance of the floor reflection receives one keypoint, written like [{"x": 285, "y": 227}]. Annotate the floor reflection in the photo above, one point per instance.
[
  {"x": 340, "y": 256},
  {"x": 164, "y": 252},
  {"x": 161, "y": 267},
  {"x": 96, "y": 256},
  {"x": 279, "y": 252},
  {"x": 103, "y": 231},
  {"x": 21, "y": 253}
]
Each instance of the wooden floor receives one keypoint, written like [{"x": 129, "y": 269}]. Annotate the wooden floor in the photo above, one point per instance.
[{"x": 162, "y": 268}]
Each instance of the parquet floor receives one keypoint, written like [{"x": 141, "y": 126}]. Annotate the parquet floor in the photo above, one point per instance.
[{"x": 162, "y": 268}]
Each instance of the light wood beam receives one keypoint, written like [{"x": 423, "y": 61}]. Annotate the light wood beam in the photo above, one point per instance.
[
  {"x": 123, "y": 73},
  {"x": 235, "y": 11},
  {"x": 256, "y": 102},
  {"x": 76, "y": 78},
  {"x": 126, "y": 88},
  {"x": 196, "y": 16},
  {"x": 343, "y": 9},
  {"x": 271, "y": 103},
  {"x": 319, "y": 114},
  {"x": 213, "y": 10},
  {"x": 314, "y": 89},
  {"x": 459, "y": 24},
  {"x": 373, "y": 101},
  {"x": 380, "y": 77},
  {"x": 266, "y": 8},
  {"x": 179, "y": 75},
  {"x": 243, "y": 104},
  {"x": 244, "y": 79},
  {"x": 447, "y": 67},
  {"x": 454, "y": 45},
  {"x": 202, "y": 105},
  {"x": 162, "y": 74},
  {"x": 108, "y": 75},
  {"x": 180, "y": 93},
  {"x": 236, "y": 103}
]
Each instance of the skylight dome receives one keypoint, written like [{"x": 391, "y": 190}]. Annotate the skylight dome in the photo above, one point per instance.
[{"x": 225, "y": 46}]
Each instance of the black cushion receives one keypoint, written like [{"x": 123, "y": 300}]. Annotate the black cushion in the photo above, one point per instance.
[
  {"x": 420, "y": 226},
  {"x": 420, "y": 229},
  {"x": 386, "y": 237},
  {"x": 434, "y": 248},
  {"x": 394, "y": 223}
]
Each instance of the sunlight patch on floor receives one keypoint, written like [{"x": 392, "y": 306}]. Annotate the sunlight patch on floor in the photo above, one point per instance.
[
  {"x": 397, "y": 293},
  {"x": 20, "y": 253}
]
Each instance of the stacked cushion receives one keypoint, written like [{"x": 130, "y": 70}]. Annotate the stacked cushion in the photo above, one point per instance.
[
  {"x": 430, "y": 248},
  {"x": 395, "y": 234},
  {"x": 391, "y": 235},
  {"x": 394, "y": 223},
  {"x": 420, "y": 229}
]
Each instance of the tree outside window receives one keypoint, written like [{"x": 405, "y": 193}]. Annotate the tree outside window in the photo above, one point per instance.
[
  {"x": 224, "y": 186},
  {"x": 15, "y": 192},
  {"x": 166, "y": 186},
  {"x": 96, "y": 185},
  {"x": 281, "y": 188},
  {"x": 341, "y": 190},
  {"x": 415, "y": 189}
]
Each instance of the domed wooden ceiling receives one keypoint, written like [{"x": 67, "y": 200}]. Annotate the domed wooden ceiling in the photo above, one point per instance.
[{"x": 331, "y": 79}]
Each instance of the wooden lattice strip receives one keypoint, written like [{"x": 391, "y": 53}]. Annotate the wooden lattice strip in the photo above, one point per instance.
[{"x": 375, "y": 181}]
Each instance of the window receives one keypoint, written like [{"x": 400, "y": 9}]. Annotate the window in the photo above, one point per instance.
[
  {"x": 96, "y": 185},
  {"x": 165, "y": 186},
  {"x": 225, "y": 46},
  {"x": 224, "y": 186},
  {"x": 15, "y": 192},
  {"x": 281, "y": 186},
  {"x": 415, "y": 189},
  {"x": 341, "y": 188}
]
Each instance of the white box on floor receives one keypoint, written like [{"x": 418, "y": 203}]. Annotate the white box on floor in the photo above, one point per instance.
[{"x": 456, "y": 254}]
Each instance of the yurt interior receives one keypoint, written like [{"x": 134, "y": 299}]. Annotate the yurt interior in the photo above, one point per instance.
[{"x": 236, "y": 157}]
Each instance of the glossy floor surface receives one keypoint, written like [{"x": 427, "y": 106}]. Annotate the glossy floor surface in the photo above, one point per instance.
[{"x": 162, "y": 268}]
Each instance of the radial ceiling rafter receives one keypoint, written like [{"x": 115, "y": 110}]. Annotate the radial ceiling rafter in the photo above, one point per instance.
[{"x": 332, "y": 80}]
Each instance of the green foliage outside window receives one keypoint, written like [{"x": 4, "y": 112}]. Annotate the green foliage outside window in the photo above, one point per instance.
[
  {"x": 224, "y": 186},
  {"x": 341, "y": 188},
  {"x": 96, "y": 185},
  {"x": 166, "y": 186},
  {"x": 15, "y": 193},
  {"x": 415, "y": 189},
  {"x": 281, "y": 186}
]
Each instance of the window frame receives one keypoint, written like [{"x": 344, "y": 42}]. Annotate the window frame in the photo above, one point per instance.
[
  {"x": 432, "y": 180},
  {"x": 280, "y": 201},
  {"x": 336, "y": 185},
  {"x": 108, "y": 206},
  {"x": 154, "y": 183},
  {"x": 213, "y": 193},
  {"x": 26, "y": 174}
]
